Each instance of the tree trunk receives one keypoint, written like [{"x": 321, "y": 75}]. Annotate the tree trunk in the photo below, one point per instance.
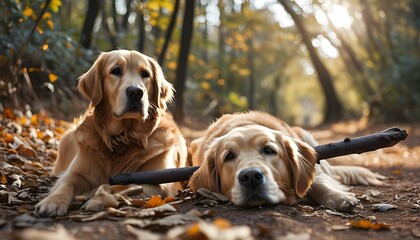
[
  {"x": 251, "y": 77},
  {"x": 124, "y": 24},
  {"x": 142, "y": 32},
  {"x": 91, "y": 14},
  {"x": 273, "y": 96},
  {"x": 181, "y": 73},
  {"x": 334, "y": 109},
  {"x": 115, "y": 16},
  {"x": 168, "y": 36},
  {"x": 105, "y": 25},
  {"x": 221, "y": 63}
]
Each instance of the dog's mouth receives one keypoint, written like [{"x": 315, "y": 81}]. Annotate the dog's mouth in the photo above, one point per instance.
[
  {"x": 134, "y": 109},
  {"x": 256, "y": 197}
]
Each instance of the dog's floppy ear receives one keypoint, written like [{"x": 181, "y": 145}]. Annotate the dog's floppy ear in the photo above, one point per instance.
[
  {"x": 163, "y": 91},
  {"x": 90, "y": 83},
  {"x": 302, "y": 160},
  {"x": 206, "y": 176}
]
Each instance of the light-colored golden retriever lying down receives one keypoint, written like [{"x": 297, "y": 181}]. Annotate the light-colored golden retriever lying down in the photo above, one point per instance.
[
  {"x": 255, "y": 159},
  {"x": 125, "y": 129}
]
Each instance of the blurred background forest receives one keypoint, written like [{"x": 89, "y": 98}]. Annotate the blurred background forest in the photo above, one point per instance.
[{"x": 305, "y": 61}]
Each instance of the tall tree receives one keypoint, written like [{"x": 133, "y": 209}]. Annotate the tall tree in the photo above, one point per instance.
[
  {"x": 142, "y": 32},
  {"x": 91, "y": 15},
  {"x": 168, "y": 36},
  {"x": 334, "y": 109},
  {"x": 124, "y": 23},
  {"x": 181, "y": 73}
]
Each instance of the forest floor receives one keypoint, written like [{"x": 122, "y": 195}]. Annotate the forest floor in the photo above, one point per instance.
[{"x": 28, "y": 146}]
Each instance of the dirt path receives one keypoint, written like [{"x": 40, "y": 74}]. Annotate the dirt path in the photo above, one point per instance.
[{"x": 24, "y": 179}]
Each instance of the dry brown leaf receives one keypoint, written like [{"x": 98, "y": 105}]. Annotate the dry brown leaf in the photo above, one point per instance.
[
  {"x": 222, "y": 223},
  {"x": 295, "y": 236},
  {"x": 366, "y": 224},
  {"x": 143, "y": 234},
  {"x": 156, "y": 211},
  {"x": 8, "y": 113},
  {"x": 168, "y": 221},
  {"x": 169, "y": 199},
  {"x": 3, "y": 179},
  {"x": 127, "y": 190},
  {"x": 35, "y": 234},
  {"x": 210, "y": 231},
  {"x": 101, "y": 200},
  {"x": 138, "y": 203},
  {"x": 26, "y": 151}
]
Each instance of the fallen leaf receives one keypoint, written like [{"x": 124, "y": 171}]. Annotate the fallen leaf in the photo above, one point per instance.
[
  {"x": 154, "y": 201},
  {"x": 3, "y": 179},
  {"x": 416, "y": 233},
  {"x": 169, "y": 199},
  {"x": 143, "y": 234},
  {"x": 383, "y": 207},
  {"x": 101, "y": 200},
  {"x": 295, "y": 236},
  {"x": 366, "y": 224},
  {"x": 89, "y": 217},
  {"x": 222, "y": 223},
  {"x": 156, "y": 211},
  {"x": 35, "y": 234},
  {"x": 210, "y": 231},
  {"x": 212, "y": 195},
  {"x": 339, "y": 227}
]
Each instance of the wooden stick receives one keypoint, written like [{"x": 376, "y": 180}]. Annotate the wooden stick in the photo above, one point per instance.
[{"x": 386, "y": 138}]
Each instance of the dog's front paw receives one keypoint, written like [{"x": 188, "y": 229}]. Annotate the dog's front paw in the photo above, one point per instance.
[{"x": 52, "y": 206}]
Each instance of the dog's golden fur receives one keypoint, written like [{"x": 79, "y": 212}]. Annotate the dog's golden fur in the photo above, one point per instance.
[
  {"x": 125, "y": 129},
  {"x": 255, "y": 158}
]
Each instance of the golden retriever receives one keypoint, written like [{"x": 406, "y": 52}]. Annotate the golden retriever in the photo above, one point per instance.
[
  {"x": 125, "y": 129},
  {"x": 255, "y": 159}
]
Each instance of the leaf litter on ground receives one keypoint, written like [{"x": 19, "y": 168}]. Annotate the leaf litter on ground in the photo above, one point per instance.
[{"x": 27, "y": 152}]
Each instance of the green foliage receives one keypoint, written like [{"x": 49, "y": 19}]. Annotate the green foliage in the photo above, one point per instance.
[{"x": 36, "y": 56}]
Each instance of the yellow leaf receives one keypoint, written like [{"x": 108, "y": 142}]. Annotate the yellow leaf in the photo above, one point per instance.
[
  {"x": 46, "y": 15},
  {"x": 3, "y": 180},
  {"x": 169, "y": 199},
  {"x": 205, "y": 86},
  {"x": 52, "y": 77},
  {"x": 222, "y": 223},
  {"x": 50, "y": 24},
  {"x": 193, "y": 230},
  {"x": 154, "y": 201},
  {"x": 55, "y": 5},
  {"x": 366, "y": 224},
  {"x": 23, "y": 121},
  {"x": 34, "y": 120},
  {"x": 45, "y": 46},
  {"x": 40, "y": 31},
  {"x": 28, "y": 12}
]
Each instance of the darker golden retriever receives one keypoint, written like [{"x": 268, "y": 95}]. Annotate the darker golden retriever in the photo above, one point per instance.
[
  {"x": 125, "y": 129},
  {"x": 255, "y": 158}
]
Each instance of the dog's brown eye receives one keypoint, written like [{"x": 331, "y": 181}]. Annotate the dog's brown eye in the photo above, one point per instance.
[
  {"x": 268, "y": 150},
  {"x": 116, "y": 71},
  {"x": 229, "y": 156},
  {"x": 144, "y": 74}
]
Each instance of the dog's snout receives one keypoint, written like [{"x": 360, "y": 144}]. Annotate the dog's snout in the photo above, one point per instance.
[
  {"x": 134, "y": 93},
  {"x": 251, "y": 177}
]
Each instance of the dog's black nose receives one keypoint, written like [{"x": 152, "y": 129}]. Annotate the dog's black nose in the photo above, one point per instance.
[
  {"x": 251, "y": 177},
  {"x": 134, "y": 93}
]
